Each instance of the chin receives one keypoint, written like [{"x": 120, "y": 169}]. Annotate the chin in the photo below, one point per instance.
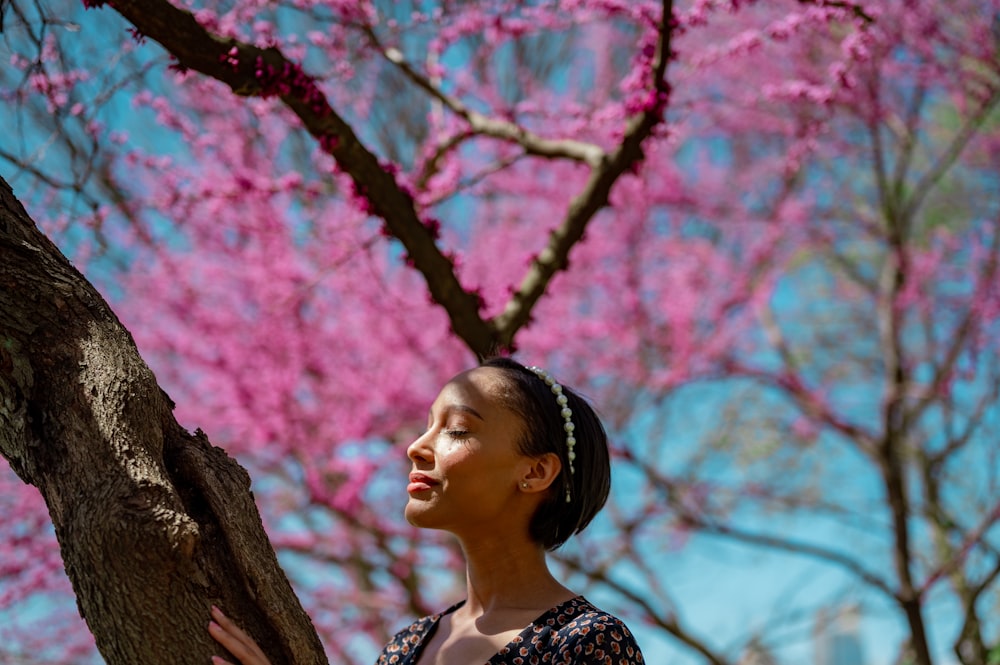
[
  {"x": 416, "y": 515},
  {"x": 424, "y": 516}
]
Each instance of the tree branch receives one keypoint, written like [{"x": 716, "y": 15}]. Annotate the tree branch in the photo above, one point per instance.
[
  {"x": 253, "y": 71},
  {"x": 943, "y": 372},
  {"x": 710, "y": 526},
  {"x": 809, "y": 405},
  {"x": 948, "y": 157},
  {"x": 788, "y": 545},
  {"x": 891, "y": 449},
  {"x": 154, "y": 524},
  {"x": 595, "y": 193},
  {"x": 669, "y": 623},
  {"x": 961, "y": 553},
  {"x": 533, "y": 144}
]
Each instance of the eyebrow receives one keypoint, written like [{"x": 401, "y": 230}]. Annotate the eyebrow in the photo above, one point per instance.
[
  {"x": 467, "y": 409},
  {"x": 464, "y": 408}
]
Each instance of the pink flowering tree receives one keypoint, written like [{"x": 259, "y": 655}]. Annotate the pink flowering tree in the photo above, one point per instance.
[{"x": 762, "y": 236}]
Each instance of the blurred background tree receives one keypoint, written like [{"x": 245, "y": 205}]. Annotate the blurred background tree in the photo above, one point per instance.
[{"x": 785, "y": 302}]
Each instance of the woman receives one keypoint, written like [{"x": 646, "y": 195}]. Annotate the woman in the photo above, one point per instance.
[{"x": 512, "y": 464}]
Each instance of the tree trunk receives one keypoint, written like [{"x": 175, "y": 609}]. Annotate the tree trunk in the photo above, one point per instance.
[{"x": 154, "y": 524}]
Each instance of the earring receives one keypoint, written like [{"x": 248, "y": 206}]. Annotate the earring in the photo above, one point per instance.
[{"x": 524, "y": 486}]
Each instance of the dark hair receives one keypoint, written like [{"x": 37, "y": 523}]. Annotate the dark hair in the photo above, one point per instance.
[{"x": 556, "y": 520}]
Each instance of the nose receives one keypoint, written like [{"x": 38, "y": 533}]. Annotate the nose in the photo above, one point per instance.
[{"x": 420, "y": 450}]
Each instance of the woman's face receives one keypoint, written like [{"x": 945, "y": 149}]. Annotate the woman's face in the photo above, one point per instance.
[{"x": 466, "y": 466}]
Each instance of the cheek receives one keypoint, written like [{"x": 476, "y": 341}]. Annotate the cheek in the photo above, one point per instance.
[
  {"x": 465, "y": 467},
  {"x": 453, "y": 451},
  {"x": 458, "y": 469}
]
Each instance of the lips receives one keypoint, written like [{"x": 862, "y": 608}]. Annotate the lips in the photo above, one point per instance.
[{"x": 420, "y": 482}]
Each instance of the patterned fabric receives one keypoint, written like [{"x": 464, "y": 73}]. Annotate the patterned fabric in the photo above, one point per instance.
[{"x": 573, "y": 633}]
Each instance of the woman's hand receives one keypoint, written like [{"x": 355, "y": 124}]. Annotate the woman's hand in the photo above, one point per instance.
[{"x": 237, "y": 642}]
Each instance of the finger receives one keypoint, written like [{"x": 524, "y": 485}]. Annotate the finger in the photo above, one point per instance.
[
  {"x": 227, "y": 625},
  {"x": 220, "y": 661},
  {"x": 235, "y": 640},
  {"x": 223, "y": 620},
  {"x": 230, "y": 641}
]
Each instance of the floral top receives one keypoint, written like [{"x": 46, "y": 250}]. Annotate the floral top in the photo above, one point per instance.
[{"x": 573, "y": 633}]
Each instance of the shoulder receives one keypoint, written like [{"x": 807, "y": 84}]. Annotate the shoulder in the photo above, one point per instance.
[
  {"x": 405, "y": 645},
  {"x": 595, "y": 636},
  {"x": 578, "y": 633},
  {"x": 402, "y": 645}
]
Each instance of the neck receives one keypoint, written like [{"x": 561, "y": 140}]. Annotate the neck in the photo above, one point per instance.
[{"x": 509, "y": 574}]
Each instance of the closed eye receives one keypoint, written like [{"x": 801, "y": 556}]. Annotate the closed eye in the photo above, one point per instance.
[{"x": 457, "y": 433}]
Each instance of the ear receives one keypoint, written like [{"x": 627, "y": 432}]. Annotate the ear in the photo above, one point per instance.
[{"x": 540, "y": 473}]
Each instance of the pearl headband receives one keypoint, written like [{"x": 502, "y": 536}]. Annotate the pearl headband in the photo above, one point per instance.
[{"x": 567, "y": 415}]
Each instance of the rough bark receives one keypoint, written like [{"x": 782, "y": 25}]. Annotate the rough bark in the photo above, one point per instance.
[{"x": 154, "y": 524}]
